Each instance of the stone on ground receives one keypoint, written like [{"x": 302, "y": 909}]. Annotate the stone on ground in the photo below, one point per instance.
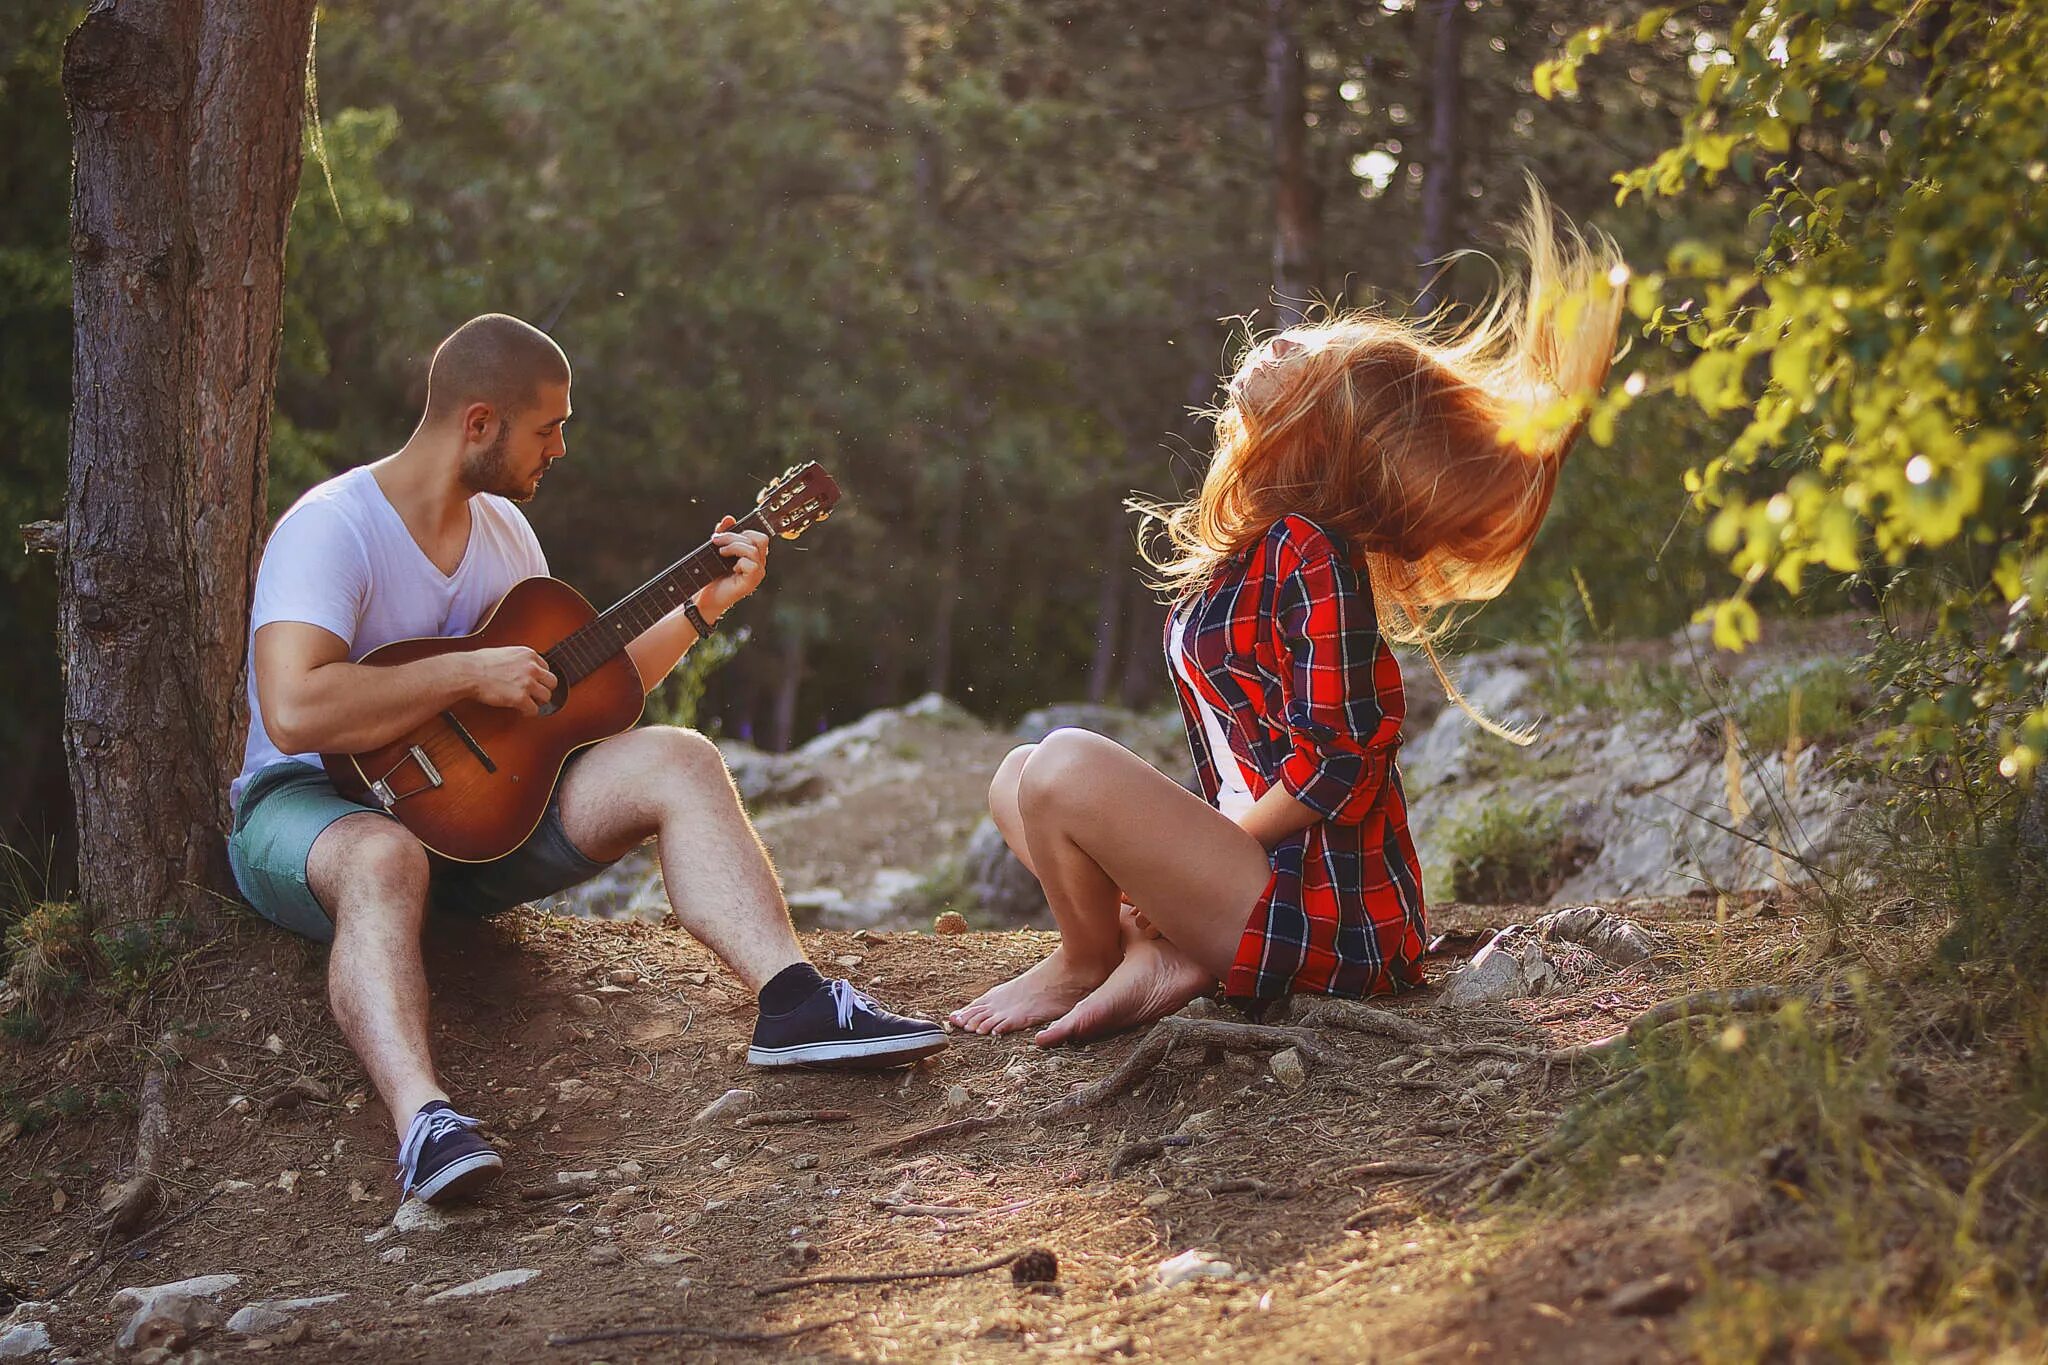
[{"x": 486, "y": 1284}]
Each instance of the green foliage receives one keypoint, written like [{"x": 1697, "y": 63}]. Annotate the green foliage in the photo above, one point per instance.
[
  {"x": 1816, "y": 704},
  {"x": 139, "y": 953},
  {"x": 1509, "y": 852},
  {"x": 677, "y": 699},
  {"x": 1879, "y": 338}
]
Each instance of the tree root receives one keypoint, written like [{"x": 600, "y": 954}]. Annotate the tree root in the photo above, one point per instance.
[
  {"x": 128, "y": 1204},
  {"x": 772, "y": 1118},
  {"x": 1174, "y": 1032},
  {"x": 1744, "y": 1000}
]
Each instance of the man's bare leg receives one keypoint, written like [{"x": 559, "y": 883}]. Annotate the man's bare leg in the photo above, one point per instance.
[
  {"x": 371, "y": 875},
  {"x": 672, "y": 784},
  {"x": 1095, "y": 818}
]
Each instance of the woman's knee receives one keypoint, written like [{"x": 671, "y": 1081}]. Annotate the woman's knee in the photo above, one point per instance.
[
  {"x": 1058, "y": 768},
  {"x": 1002, "y": 788}
]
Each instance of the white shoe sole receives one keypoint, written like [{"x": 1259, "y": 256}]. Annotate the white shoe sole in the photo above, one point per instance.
[
  {"x": 459, "y": 1178},
  {"x": 904, "y": 1047}
]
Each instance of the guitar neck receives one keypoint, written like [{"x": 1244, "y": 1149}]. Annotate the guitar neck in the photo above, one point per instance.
[{"x": 595, "y": 644}]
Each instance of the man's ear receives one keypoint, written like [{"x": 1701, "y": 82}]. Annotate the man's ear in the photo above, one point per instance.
[{"x": 478, "y": 422}]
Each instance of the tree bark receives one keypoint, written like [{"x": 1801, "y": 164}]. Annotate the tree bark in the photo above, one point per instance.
[
  {"x": 1443, "y": 169},
  {"x": 186, "y": 120},
  {"x": 1297, "y": 203}
]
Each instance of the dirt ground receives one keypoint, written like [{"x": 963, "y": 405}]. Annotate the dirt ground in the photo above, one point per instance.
[{"x": 588, "y": 1046}]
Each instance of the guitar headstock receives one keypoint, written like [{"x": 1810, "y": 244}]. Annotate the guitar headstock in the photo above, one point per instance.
[{"x": 804, "y": 496}]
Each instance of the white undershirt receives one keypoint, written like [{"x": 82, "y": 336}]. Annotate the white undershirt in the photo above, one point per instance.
[{"x": 1233, "y": 792}]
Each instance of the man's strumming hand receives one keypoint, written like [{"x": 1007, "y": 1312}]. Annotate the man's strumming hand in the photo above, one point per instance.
[{"x": 512, "y": 676}]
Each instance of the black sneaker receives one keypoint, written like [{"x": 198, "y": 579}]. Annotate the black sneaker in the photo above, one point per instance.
[
  {"x": 442, "y": 1159},
  {"x": 837, "y": 1025}
]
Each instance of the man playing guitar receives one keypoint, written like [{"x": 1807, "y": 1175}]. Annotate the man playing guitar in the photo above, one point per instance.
[{"x": 426, "y": 542}]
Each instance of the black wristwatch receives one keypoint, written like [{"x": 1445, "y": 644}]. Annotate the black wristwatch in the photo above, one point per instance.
[{"x": 696, "y": 619}]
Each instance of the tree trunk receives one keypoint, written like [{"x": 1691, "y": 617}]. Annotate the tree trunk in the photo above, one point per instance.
[
  {"x": 788, "y": 685},
  {"x": 1109, "y": 606},
  {"x": 1442, "y": 170},
  {"x": 186, "y": 120},
  {"x": 946, "y": 593},
  {"x": 1297, "y": 235}
]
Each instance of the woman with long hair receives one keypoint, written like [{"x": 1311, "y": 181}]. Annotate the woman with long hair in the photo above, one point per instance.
[{"x": 1369, "y": 474}]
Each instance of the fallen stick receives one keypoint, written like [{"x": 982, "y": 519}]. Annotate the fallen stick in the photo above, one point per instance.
[
  {"x": 772, "y": 1118},
  {"x": 924, "y": 1210},
  {"x": 1390, "y": 1170},
  {"x": 707, "y": 1333},
  {"x": 973, "y": 1124},
  {"x": 1145, "y": 1151},
  {"x": 948, "y": 1272},
  {"x": 128, "y": 1205},
  {"x": 1247, "y": 1185}
]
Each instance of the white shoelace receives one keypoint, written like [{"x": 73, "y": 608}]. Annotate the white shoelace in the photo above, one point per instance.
[
  {"x": 425, "y": 1128},
  {"x": 846, "y": 998}
]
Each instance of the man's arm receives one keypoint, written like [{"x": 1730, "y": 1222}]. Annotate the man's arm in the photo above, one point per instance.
[
  {"x": 656, "y": 650},
  {"x": 315, "y": 701}
]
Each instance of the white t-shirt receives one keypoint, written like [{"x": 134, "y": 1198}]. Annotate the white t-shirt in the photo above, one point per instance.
[
  {"x": 1233, "y": 791},
  {"x": 342, "y": 559}
]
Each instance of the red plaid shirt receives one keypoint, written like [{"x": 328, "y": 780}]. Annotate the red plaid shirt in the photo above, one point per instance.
[{"x": 1286, "y": 642}]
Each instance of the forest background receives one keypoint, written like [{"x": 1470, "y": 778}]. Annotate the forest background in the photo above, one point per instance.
[
  {"x": 984, "y": 261},
  {"x": 987, "y": 260}
]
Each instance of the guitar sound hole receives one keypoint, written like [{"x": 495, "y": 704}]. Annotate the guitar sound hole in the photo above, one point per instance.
[{"x": 558, "y": 700}]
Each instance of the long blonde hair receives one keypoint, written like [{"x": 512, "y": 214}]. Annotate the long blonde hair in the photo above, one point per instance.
[{"x": 1431, "y": 452}]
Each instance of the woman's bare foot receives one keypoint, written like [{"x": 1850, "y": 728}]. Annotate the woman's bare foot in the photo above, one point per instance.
[
  {"x": 1153, "y": 980},
  {"x": 1043, "y": 992}
]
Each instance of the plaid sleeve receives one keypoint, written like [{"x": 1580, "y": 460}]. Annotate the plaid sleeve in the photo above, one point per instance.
[{"x": 1340, "y": 687}]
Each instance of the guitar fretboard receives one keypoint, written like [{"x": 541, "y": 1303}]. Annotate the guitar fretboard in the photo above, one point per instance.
[{"x": 594, "y": 644}]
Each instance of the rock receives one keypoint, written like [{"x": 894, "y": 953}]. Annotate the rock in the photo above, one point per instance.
[
  {"x": 1649, "y": 1298},
  {"x": 957, "y": 1097},
  {"x": 730, "y": 1105},
  {"x": 258, "y": 1320},
  {"x": 417, "y": 1216},
  {"x": 392, "y": 1256},
  {"x": 1198, "y": 1122},
  {"x": 622, "y": 976},
  {"x": 604, "y": 1254},
  {"x": 585, "y": 1005},
  {"x": 1511, "y": 967},
  {"x": 495, "y": 1283},
  {"x": 168, "y": 1320},
  {"x": 1620, "y": 941},
  {"x": 950, "y": 922},
  {"x": 1002, "y": 887},
  {"x": 668, "y": 1257},
  {"x": 24, "y": 1339},
  {"x": 198, "y": 1287},
  {"x": 1156, "y": 1200},
  {"x": 647, "y": 1226},
  {"x": 1192, "y": 1265},
  {"x": 1288, "y": 1069}
]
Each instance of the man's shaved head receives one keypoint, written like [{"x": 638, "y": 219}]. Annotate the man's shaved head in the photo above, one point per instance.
[{"x": 494, "y": 359}]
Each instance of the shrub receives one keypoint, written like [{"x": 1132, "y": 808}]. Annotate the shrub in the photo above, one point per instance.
[{"x": 1510, "y": 852}]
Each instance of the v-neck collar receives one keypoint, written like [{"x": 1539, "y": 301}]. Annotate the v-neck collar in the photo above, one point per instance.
[{"x": 468, "y": 546}]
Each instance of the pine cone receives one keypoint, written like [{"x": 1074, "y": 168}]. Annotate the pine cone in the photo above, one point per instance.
[{"x": 1036, "y": 1266}]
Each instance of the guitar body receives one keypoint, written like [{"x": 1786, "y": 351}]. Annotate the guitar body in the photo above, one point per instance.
[{"x": 474, "y": 782}]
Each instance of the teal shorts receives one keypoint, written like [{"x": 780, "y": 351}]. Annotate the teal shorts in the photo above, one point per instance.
[{"x": 285, "y": 808}]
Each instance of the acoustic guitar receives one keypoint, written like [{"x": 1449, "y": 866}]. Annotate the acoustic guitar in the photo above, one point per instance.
[{"x": 474, "y": 782}]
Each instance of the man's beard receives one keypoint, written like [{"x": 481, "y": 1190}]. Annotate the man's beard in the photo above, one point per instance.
[{"x": 490, "y": 470}]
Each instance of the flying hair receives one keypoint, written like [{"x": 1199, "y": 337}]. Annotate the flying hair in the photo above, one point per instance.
[
  {"x": 494, "y": 359},
  {"x": 1430, "y": 450}
]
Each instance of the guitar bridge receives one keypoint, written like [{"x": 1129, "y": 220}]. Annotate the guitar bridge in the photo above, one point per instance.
[{"x": 389, "y": 796}]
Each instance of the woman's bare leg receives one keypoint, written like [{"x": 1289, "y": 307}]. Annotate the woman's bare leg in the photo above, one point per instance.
[{"x": 1096, "y": 819}]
